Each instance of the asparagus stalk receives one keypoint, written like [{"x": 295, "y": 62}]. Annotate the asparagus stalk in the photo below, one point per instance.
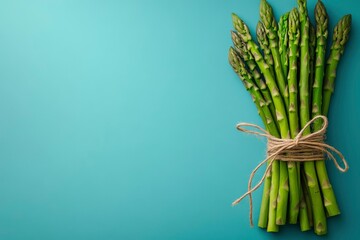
[
  {"x": 341, "y": 34},
  {"x": 283, "y": 42},
  {"x": 265, "y": 46},
  {"x": 312, "y": 44},
  {"x": 281, "y": 116},
  {"x": 320, "y": 225},
  {"x": 247, "y": 56},
  {"x": 340, "y": 38},
  {"x": 305, "y": 209},
  {"x": 239, "y": 67},
  {"x": 267, "y": 17},
  {"x": 241, "y": 48},
  {"x": 321, "y": 18},
  {"x": 304, "y": 205},
  {"x": 270, "y": 25},
  {"x": 309, "y": 220},
  {"x": 294, "y": 36}
]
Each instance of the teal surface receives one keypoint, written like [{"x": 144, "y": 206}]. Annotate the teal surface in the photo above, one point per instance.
[{"x": 118, "y": 122}]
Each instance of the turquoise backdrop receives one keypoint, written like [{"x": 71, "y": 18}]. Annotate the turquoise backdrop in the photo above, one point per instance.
[{"x": 118, "y": 122}]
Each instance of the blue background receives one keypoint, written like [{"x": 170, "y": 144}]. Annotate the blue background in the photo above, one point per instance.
[{"x": 118, "y": 122}]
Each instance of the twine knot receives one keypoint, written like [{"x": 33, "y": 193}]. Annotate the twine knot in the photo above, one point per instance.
[
  {"x": 302, "y": 148},
  {"x": 296, "y": 141}
]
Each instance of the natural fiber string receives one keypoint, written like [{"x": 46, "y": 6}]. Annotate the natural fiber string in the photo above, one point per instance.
[{"x": 300, "y": 149}]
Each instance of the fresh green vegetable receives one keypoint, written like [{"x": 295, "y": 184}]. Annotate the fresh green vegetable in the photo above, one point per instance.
[
  {"x": 283, "y": 42},
  {"x": 276, "y": 206},
  {"x": 294, "y": 37},
  {"x": 265, "y": 46},
  {"x": 268, "y": 19},
  {"x": 312, "y": 45},
  {"x": 320, "y": 225},
  {"x": 239, "y": 67},
  {"x": 244, "y": 53},
  {"x": 340, "y": 37},
  {"x": 290, "y": 84}
]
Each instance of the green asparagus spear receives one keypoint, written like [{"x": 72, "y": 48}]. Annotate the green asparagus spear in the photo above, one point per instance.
[
  {"x": 241, "y": 47},
  {"x": 239, "y": 67},
  {"x": 294, "y": 36},
  {"x": 265, "y": 46},
  {"x": 267, "y": 17},
  {"x": 320, "y": 225},
  {"x": 340, "y": 38},
  {"x": 321, "y": 18},
  {"x": 341, "y": 34},
  {"x": 281, "y": 116},
  {"x": 305, "y": 208},
  {"x": 283, "y": 43},
  {"x": 312, "y": 44},
  {"x": 270, "y": 25},
  {"x": 297, "y": 200},
  {"x": 248, "y": 58},
  {"x": 321, "y": 37},
  {"x": 308, "y": 222}
]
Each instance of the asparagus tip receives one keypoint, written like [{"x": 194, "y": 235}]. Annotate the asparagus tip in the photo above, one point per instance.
[{"x": 341, "y": 32}]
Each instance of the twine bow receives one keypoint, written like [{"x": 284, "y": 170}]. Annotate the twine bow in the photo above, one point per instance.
[{"x": 300, "y": 149}]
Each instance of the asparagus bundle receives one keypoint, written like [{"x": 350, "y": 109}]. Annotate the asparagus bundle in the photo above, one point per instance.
[{"x": 290, "y": 85}]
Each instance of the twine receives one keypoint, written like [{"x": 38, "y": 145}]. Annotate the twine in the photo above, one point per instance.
[{"x": 300, "y": 149}]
